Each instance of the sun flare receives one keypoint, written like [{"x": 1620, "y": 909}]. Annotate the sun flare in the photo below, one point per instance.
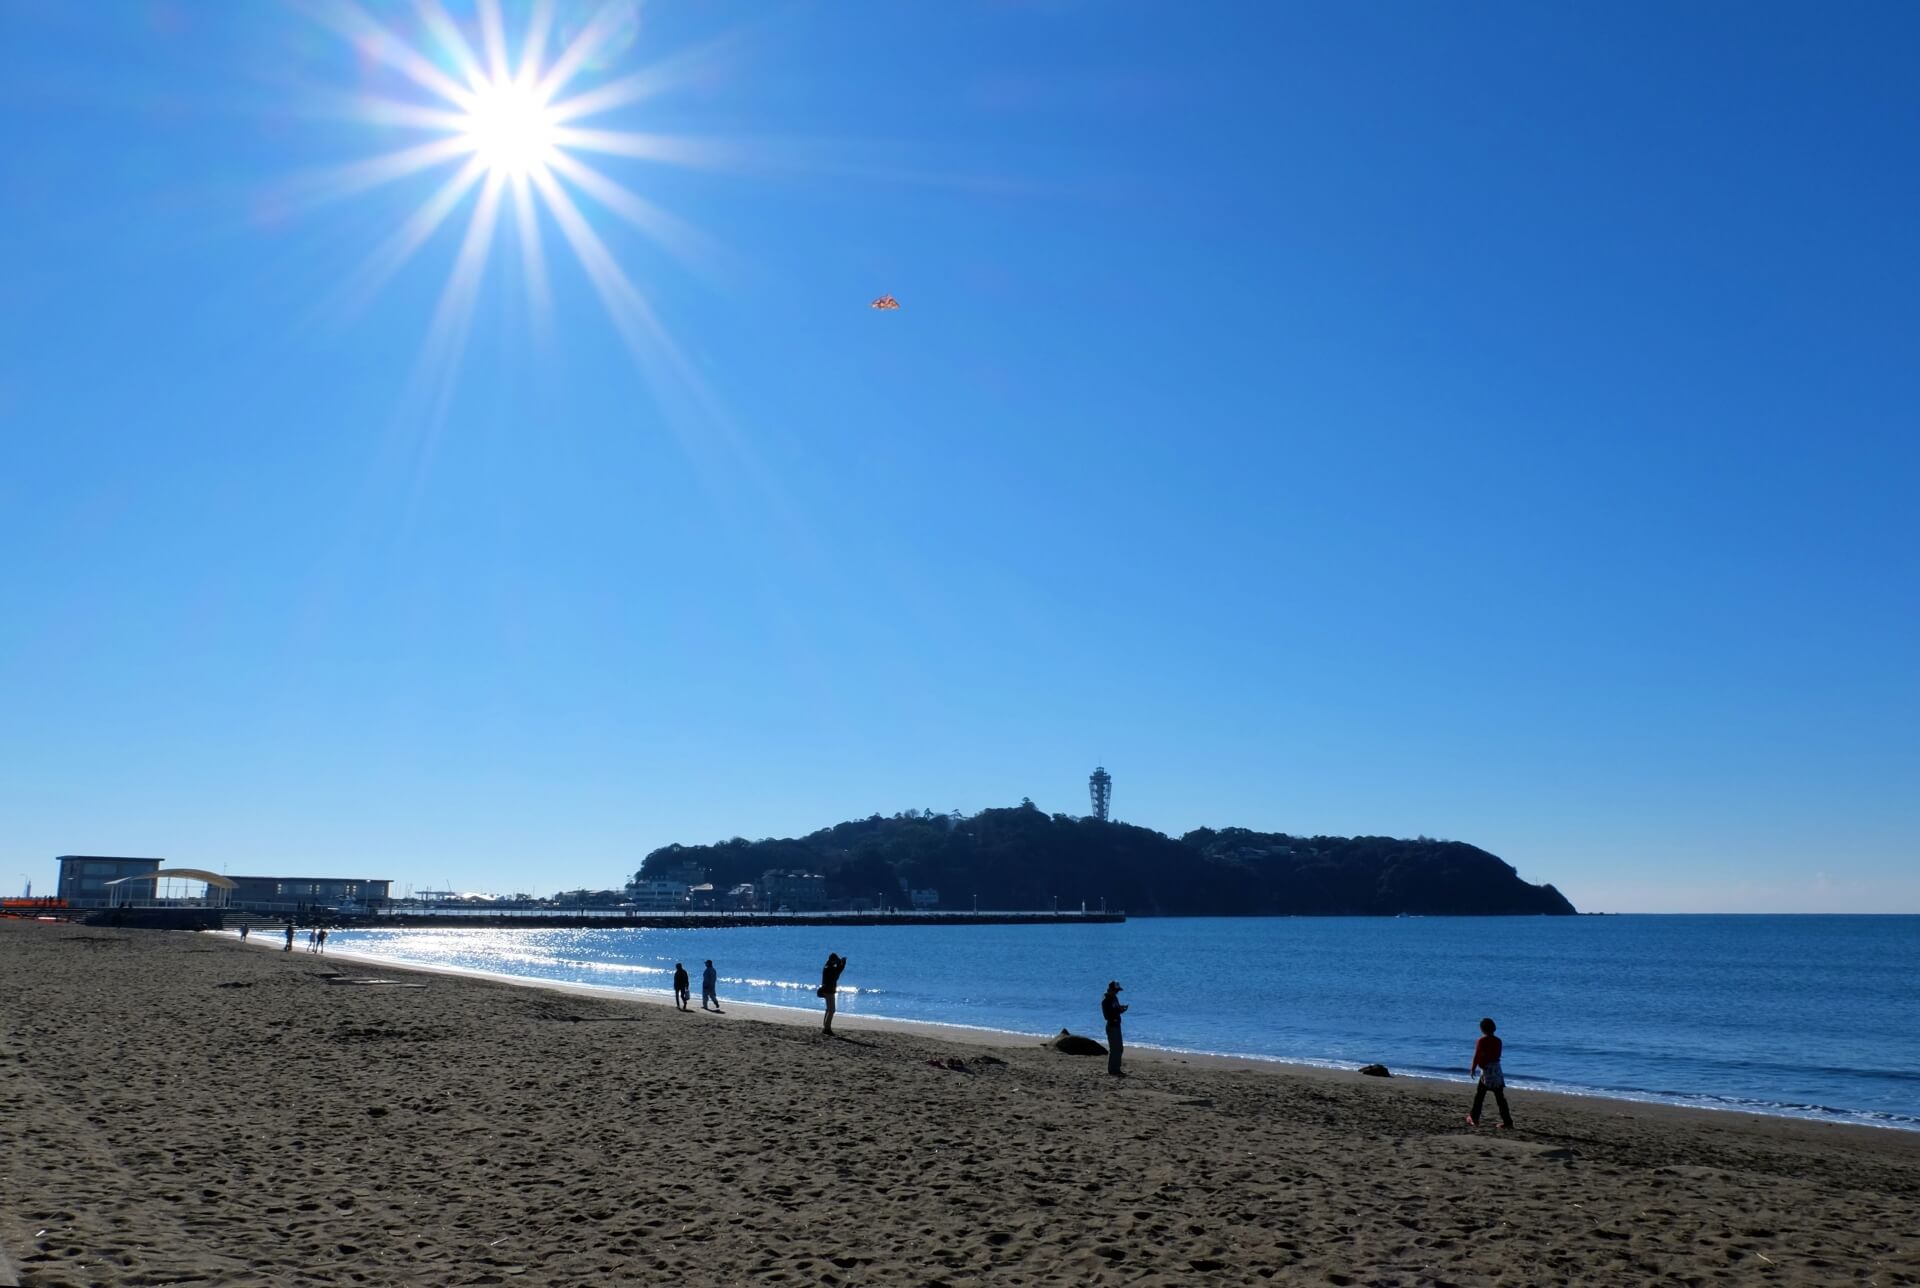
[
  {"x": 501, "y": 110},
  {"x": 510, "y": 128}
]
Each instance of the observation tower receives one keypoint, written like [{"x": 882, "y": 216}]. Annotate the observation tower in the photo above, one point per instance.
[{"x": 1100, "y": 787}]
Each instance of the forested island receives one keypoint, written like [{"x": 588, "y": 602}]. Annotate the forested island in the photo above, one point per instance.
[{"x": 1022, "y": 858}]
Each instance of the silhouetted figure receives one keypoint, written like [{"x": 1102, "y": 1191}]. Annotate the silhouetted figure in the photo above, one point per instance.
[
  {"x": 681, "y": 994},
  {"x": 313, "y": 941},
  {"x": 1111, "y": 1011},
  {"x": 289, "y": 947},
  {"x": 321, "y": 940},
  {"x": 709, "y": 986},
  {"x": 830, "y": 986},
  {"x": 243, "y": 934},
  {"x": 1486, "y": 1063}
]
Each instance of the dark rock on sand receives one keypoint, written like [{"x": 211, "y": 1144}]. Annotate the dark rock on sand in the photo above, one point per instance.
[
  {"x": 1073, "y": 1044},
  {"x": 1375, "y": 1070}
]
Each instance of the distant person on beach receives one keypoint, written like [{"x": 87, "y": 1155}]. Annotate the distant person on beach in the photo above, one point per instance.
[
  {"x": 322, "y": 939},
  {"x": 1486, "y": 1063},
  {"x": 681, "y": 995},
  {"x": 243, "y": 934},
  {"x": 709, "y": 986},
  {"x": 830, "y": 986},
  {"x": 1111, "y": 1011},
  {"x": 289, "y": 947},
  {"x": 313, "y": 941}
]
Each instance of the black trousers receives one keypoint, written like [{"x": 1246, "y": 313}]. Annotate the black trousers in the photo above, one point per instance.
[
  {"x": 1113, "y": 1048},
  {"x": 1499, "y": 1098}
]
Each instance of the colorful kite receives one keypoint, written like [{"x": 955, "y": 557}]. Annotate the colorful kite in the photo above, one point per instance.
[{"x": 886, "y": 302}]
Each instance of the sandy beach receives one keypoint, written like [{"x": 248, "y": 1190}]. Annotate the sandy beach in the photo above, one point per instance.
[{"x": 182, "y": 1109}]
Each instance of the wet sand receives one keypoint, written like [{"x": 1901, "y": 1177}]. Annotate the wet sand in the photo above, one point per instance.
[{"x": 183, "y": 1109}]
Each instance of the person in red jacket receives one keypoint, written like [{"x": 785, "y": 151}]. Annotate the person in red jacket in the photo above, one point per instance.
[{"x": 1486, "y": 1063}]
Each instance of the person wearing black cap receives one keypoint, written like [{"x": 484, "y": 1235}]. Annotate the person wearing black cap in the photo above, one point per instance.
[
  {"x": 1111, "y": 1009},
  {"x": 830, "y": 987}
]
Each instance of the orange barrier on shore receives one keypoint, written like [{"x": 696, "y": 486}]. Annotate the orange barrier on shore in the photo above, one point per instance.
[{"x": 32, "y": 907}]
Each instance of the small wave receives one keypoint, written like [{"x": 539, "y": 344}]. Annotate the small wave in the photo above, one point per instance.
[
  {"x": 1727, "y": 1104},
  {"x": 1635, "y": 1095},
  {"x": 748, "y": 981},
  {"x": 610, "y": 968},
  {"x": 525, "y": 965}
]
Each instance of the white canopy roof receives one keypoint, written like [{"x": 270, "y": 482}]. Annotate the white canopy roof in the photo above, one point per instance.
[{"x": 186, "y": 874}]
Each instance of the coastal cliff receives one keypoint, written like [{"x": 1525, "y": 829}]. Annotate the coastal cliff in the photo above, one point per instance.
[{"x": 1023, "y": 858}]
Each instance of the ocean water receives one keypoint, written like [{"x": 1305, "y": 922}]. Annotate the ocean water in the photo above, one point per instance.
[{"x": 1809, "y": 1016}]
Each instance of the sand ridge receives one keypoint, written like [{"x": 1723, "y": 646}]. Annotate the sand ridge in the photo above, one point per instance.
[{"x": 179, "y": 1109}]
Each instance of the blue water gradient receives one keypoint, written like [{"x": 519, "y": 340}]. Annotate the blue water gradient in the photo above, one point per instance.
[{"x": 1813, "y": 1016}]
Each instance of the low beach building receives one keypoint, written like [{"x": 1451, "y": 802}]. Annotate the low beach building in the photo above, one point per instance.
[
  {"x": 84, "y": 878},
  {"x": 292, "y": 894}
]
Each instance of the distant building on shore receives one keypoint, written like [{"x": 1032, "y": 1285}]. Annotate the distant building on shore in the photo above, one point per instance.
[
  {"x": 688, "y": 872},
  {"x": 658, "y": 896},
  {"x": 283, "y": 894},
  {"x": 794, "y": 890},
  {"x": 84, "y": 877}
]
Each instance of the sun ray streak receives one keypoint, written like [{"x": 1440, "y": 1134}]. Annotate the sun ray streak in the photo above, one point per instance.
[
  {"x": 359, "y": 176},
  {"x": 668, "y": 148},
  {"x": 375, "y": 110},
  {"x": 534, "y": 47},
  {"x": 584, "y": 46},
  {"x": 439, "y": 363},
  {"x": 410, "y": 236},
  {"x": 533, "y": 256},
  {"x": 670, "y": 231},
  {"x": 665, "y": 367},
  {"x": 493, "y": 38},
  {"x": 353, "y": 22},
  {"x": 632, "y": 316},
  {"x": 434, "y": 18},
  {"x": 712, "y": 442},
  {"x": 668, "y": 74}
]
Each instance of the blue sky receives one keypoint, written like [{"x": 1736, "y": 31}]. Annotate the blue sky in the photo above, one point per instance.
[{"x": 1492, "y": 422}]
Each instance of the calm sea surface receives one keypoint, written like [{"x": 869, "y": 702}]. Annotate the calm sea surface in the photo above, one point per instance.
[{"x": 1810, "y": 1016}]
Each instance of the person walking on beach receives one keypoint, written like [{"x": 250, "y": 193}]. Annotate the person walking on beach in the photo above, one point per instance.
[
  {"x": 1486, "y": 1063},
  {"x": 243, "y": 934},
  {"x": 709, "y": 986},
  {"x": 289, "y": 947},
  {"x": 681, "y": 994},
  {"x": 830, "y": 986},
  {"x": 1111, "y": 1011},
  {"x": 322, "y": 940}
]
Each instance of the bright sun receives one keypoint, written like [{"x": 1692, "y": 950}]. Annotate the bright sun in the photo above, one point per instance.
[{"x": 511, "y": 128}]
